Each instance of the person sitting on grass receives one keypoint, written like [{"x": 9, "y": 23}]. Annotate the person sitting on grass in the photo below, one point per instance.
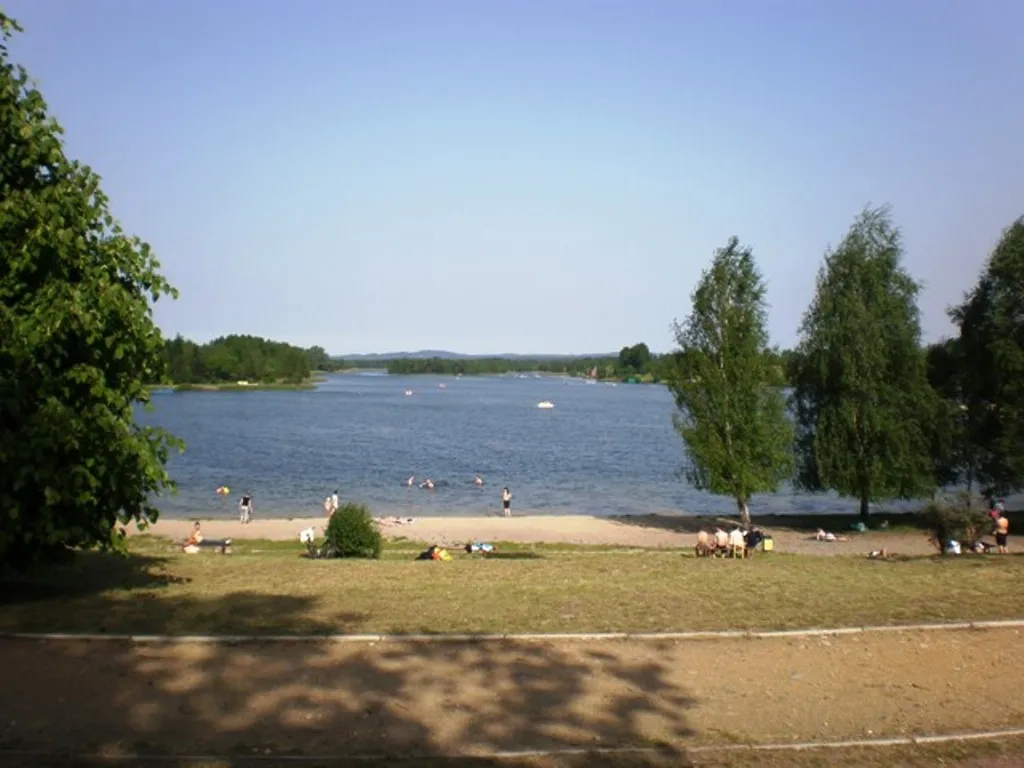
[
  {"x": 194, "y": 539},
  {"x": 721, "y": 541},
  {"x": 737, "y": 544},
  {"x": 704, "y": 546},
  {"x": 753, "y": 538}
]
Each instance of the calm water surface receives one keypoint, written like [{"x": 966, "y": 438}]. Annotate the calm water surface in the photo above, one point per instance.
[{"x": 602, "y": 450}]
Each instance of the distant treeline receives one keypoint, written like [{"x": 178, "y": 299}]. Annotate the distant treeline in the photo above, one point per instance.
[
  {"x": 234, "y": 358},
  {"x": 635, "y": 362},
  {"x": 230, "y": 359}
]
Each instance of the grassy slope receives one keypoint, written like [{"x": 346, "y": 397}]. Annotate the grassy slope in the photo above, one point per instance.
[{"x": 267, "y": 587}]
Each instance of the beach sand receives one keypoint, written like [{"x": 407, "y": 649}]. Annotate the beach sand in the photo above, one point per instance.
[{"x": 647, "y": 531}]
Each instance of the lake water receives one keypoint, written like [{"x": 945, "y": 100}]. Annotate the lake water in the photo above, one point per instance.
[{"x": 602, "y": 450}]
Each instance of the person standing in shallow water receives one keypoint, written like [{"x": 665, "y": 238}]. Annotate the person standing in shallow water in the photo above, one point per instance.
[{"x": 506, "y": 501}]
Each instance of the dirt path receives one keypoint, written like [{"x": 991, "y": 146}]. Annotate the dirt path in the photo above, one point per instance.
[{"x": 442, "y": 698}]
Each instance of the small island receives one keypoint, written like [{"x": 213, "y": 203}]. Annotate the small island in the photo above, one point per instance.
[{"x": 241, "y": 363}]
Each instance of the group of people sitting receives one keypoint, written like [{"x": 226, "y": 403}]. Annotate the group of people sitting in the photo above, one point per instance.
[{"x": 735, "y": 543}]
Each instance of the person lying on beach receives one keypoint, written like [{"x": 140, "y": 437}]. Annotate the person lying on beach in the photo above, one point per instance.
[
  {"x": 823, "y": 535},
  {"x": 395, "y": 520},
  {"x": 878, "y": 554}
]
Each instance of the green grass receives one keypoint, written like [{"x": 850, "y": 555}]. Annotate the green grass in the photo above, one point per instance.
[{"x": 267, "y": 587}]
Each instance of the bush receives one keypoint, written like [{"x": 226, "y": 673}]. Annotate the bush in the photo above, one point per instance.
[
  {"x": 351, "y": 532},
  {"x": 956, "y": 521}
]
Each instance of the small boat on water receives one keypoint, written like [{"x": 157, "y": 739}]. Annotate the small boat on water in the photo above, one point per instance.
[{"x": 545, "y": 404}]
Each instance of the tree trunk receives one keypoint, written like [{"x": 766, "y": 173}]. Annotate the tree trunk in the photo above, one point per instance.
[
  {"x": 741, "y": 505},
  {"x": 864, "y": 509}
]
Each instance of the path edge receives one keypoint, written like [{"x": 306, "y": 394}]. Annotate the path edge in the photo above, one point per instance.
[{"x": 516, "y": 637}]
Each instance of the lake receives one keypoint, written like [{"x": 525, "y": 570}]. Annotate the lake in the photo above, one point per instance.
[{"x": 603, "y": 449}]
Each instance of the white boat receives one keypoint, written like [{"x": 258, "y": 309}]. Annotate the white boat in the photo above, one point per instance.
[{"x": 545, "y": 404}]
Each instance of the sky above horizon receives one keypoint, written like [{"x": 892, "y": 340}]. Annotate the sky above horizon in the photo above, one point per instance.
[{"x": 529, "y": 176}]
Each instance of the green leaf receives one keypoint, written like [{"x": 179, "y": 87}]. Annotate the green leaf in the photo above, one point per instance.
[
  {"x": 861, "y": 394},
  {"x": 731, "y": 410}
]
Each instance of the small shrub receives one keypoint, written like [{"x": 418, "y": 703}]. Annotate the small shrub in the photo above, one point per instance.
[
  {"x": 957, "y": 521},
  {"x": 351, "y": 532}
]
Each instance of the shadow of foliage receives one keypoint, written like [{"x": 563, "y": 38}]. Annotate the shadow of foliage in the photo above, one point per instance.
[
  {"x": 87, "y": 574},
  {"x": 393, "y": 702}
]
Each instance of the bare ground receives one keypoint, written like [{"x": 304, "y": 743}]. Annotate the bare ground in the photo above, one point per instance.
[{"x": 400, "y": 699}]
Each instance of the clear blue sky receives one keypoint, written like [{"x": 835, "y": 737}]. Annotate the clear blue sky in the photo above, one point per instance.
[{"x": 529, "y": 176}]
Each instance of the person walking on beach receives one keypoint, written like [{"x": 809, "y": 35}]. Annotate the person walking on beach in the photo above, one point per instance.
[
  {"x": 334, "y": 500},
  {"x": 1002, "y": 534},
  {"x": 506, "y": 501},
  {"x": 245, "y": 508}
]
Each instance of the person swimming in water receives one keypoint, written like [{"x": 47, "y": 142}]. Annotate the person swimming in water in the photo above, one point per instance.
[
  {"x": 411, "y": 479},
  {"x": 427, "y": 485},
  {"x": 478, "y": 481}
]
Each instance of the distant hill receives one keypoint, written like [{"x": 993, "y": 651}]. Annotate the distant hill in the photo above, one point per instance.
[{"x": 425, "y": 354}]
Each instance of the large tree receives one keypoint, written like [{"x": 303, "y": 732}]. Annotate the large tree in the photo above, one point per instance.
[
  {"x": 731, "y": 410},
  {"x": 991, "y": 345},
  {"x": 77, "y": 344},
  {"x": 861, "y": 392}
]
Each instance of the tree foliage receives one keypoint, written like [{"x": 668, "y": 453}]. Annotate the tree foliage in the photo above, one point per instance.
[
  {"x": 351, "y": 532},
  {"x": 732, "y": 412},
  {"x": 235, "y": 358},
  {"x": 605, "y": 367},
  {"x": 635, "y": 359},
  {"x": 991, "y": 346},
  {"x": 861, "y": 393},
  {"x": 954, "y": 456},
  {"x": 77, "y": 344}
]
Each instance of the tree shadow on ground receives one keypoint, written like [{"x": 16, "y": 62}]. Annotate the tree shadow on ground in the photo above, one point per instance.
[
  {"x": 87, "y": 573},
  {"x": 400, "y": 703}
]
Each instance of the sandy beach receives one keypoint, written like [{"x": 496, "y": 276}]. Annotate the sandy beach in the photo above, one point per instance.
[{"x": 648, "y": 531}]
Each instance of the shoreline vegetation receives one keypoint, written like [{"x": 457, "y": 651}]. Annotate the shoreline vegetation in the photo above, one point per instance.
[{"x": 241, "y": 362}]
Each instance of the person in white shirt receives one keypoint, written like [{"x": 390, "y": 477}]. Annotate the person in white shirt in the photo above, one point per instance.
[
  {"x": 721, "y": 539},
  {"x": 736, "y": 540}
]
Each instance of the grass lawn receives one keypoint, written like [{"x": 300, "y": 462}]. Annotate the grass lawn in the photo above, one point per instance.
[{"x": 268, "y": 587}]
